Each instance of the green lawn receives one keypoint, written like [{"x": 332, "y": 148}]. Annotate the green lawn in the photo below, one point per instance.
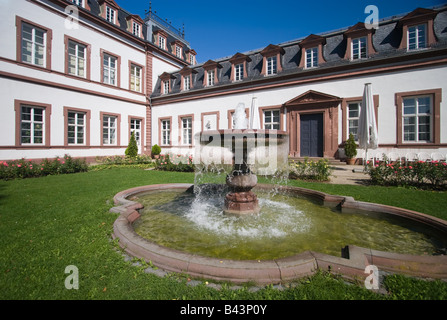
[{"x": 49, "y": 223}]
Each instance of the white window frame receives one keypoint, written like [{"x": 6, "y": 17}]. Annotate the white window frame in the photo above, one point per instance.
[
  {"x": 272, "y": 65},
  {"x": 165, "y": 132},
  {"x": 272, "y": 125},
  {"x": 162, "y": 42},
  {"x": 109, "y": 72},
  {"x": 166, "y": 87},
  {"x": 417, "y": 119},
  {"x": 78, "y": 3},
  {"x": 110, "y": 14},
  {"x": 192, "y": 59},
  {"x": 135, "y": 127},
  {"x": 109, "y": 130},
  {"x": 210, "y": 77},
  {"x": 35, "y": 46},
  {"x": 78, "y": 61},
  {"x": 239, "y": 72},
  {"x": 186, "y": 83},
  {"x": 136, "y": 29},
  {"x": 136, "y": 78},
  {"x": 35, "y": 125},
  {"x": 359, "y": 48},
  {"x": 312, "y": 57},
  {"x": 186, "y": 131},
  {"x": 416, "y": 31},
  {"x": 77, "y": 126},
  {"x": 352, "y": 128},
  {"x": 178, "y": 51}
]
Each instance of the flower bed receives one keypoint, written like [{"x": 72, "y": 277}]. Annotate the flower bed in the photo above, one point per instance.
[
  {"x": 21, "y": 169},
  {"x": 310, "y": 170},
  {"x": 179, "y": 163},
  {"x": 431, "y": 174}
]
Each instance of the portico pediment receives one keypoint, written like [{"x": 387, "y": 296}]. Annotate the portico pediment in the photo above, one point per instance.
[{"x": 311, "y": 97}]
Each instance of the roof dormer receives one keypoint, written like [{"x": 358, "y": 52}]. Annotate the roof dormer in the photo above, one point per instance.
[
  {"x": 271, "y": 63},
  {"x": 191, "y": 56},
  {"x": 210, "y": 73},
  {"x": 160, "y": 39},
  {"x": 166, "y": 85},
  {"x": 359, "y": 42},
  {"x": 177, "y": 49},
  {"x": 108, "y": 9},
  {"x": 417, "y": 29},
  {"x": 186, "y": 81},
  {"x": 312, "y": 51},
  {"x": 135, "y": 25},
  {"x": 239, "y": 66}
]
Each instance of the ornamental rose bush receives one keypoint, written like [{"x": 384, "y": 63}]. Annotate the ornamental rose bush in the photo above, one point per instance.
[
  {"x": 431, "y": 174},
  {"x": 21, "y": 169},
  {"x": 179, "y": 163}
]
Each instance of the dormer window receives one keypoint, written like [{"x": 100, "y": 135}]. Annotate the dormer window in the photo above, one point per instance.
[
  {"x": 271, "y": 60},
  {"x": 359, "y": 42},
  {"x": 191, "y": 56},
  {"x": 210, "y": 76},
  {"x": 177, "y": 49},
  {"x": 135, "y": 25},
  {"x": 239, "y": 66},
  {"x": 109, "y": 10},
  {"x": 166, "y": 82},
  {"x": 160, "y": 38},
  {"x": 186, "y": 81},
  {"x": 312, "y": 51},
  {"x": 417, "y": 29}
]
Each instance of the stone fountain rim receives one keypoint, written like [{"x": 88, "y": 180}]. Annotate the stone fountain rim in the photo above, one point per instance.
[{"x": 351, "y": 266}]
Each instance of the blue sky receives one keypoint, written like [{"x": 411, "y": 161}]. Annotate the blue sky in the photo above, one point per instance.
[{"x": 218, "y": 29}]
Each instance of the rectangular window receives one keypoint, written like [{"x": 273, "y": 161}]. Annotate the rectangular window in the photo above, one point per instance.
[
  {"x": 359, "y": 50},
  {"x": 135, "y": 78},
  {"x": 312, "y": 58},
  {"x": 271, "y": 65},
  {"x": 191, "y": 59},
  {"x": 109, "y": 129},
  {"x": 135, "y": 127},
  {"x": 187, "y": 83},
  {"x": 417, "y": 37},
  {"x": 187, "y": 131},
  {"x": 353, "y": 119},
  {"x": 166, "y": 87},
  {"x": 32, "y": 124},
  {"x": 161, "y": 42},
  {"x": 79, "y": 2},
  {"x": 210, "y": 77},
  {"x": 76, "y": 128},
  {"x": 178, "y": 51},
  {"x": 417, "y": 119},
  {"x": 239, "y": 72},
  {"x": 271, "y": 119},
  {"x": 33, "y": 45},
  {"x": 109, "y": 69},
  {"x": 77, "y": 54},
  {"x": 136, "y": 29},
  {"x": 165, "y": 132},
  {"x": 110, "y": 15}
]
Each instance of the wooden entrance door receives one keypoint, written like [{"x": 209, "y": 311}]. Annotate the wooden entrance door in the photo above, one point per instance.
[{"x": 311, "y": 135}]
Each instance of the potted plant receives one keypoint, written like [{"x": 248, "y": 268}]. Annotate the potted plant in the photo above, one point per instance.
[
  {"x": 350, "y": 150},
  {"x": 156, "y": 150}
]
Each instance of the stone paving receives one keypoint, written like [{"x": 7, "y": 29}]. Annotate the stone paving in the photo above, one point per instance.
[{"x": 349, "y": 174}]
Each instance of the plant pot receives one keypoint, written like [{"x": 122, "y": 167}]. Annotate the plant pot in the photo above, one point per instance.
[
  {"x": 156, "y": 156},
  {"x": 350, "y": 161}
]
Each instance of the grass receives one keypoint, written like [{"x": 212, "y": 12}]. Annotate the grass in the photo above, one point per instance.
[{"x": 52, "y": 222}]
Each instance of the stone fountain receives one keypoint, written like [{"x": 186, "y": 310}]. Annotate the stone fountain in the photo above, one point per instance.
[{"x": 249, "y": 148}]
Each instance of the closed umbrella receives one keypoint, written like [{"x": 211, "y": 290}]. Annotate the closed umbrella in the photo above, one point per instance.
[
  {"x": 367, "y": 134},
  {"x": 254, "y": 114}
]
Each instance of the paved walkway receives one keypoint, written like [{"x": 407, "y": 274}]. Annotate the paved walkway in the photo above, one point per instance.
[{"x": 343, "y": 174}]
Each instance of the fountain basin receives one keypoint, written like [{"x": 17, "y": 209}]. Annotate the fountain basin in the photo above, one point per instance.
[{"x": 351, "y": 264}]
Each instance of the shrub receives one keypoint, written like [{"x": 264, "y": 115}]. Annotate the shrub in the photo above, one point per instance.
[
  {"x": 177, "y": 163},
  {"x": 350, "y": 147},
  {"x": 156, "y": 150},
  {"x": 132, "y": 148},
  {"x": 421, "y": 174},
  {"x": 310, "y": 170},
  {"x": 21, "y": 169}
]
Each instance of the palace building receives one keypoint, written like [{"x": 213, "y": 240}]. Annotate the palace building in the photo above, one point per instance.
[{"x": 78, "y": 76}]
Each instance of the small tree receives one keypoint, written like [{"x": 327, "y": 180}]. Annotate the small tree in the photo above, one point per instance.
[
  {"x": 156, "y": 150},
  {"x": 350, "y": 147},
  {"x": 132, "y": 148}
]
